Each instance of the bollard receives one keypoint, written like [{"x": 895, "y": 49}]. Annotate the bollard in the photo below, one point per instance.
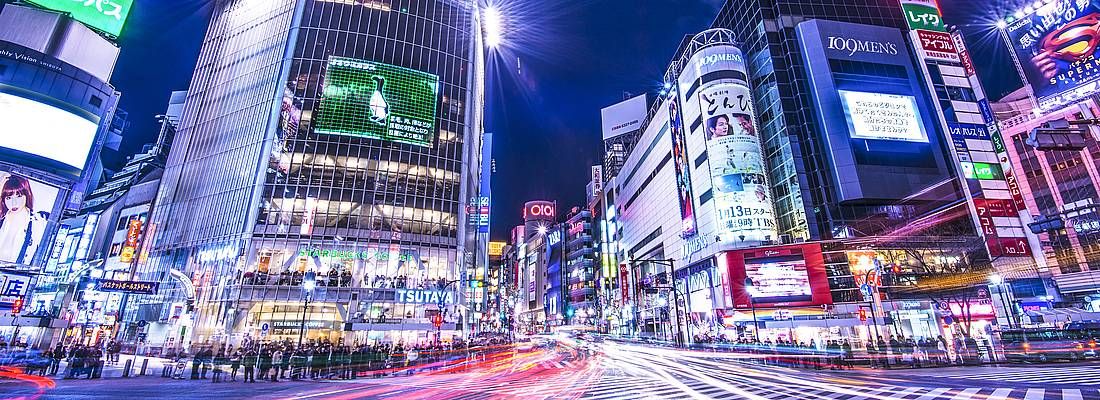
[
  {"x": 144, "y": 364},
  {"x": 126, "y": 368}
]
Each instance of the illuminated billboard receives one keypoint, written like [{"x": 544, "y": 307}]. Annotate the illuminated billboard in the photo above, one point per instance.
[
  {"x": 879, "y": 116},
  {"x": 1056, "y": 49},
  {"x": 683, "y": 174},
  {"x": 25, "y": 207},
  {"x": 104, "y": 15},
  {"x": 780, "y": 276},
  {"x": 718, "y": 95},
  {"x": 539, "y": 210},
  {"x": 34, "y": 130},
  {"x": 623, "y": 117},
  {"x": 379, "y": 101}
]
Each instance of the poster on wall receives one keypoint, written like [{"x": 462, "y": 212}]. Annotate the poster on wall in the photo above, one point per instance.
[
  {"x": 683, "y": 174},
  {"x": 1056, "y": 49},
  {"x": 741, "y": 196},
  {"x": 25, "y": 207}
]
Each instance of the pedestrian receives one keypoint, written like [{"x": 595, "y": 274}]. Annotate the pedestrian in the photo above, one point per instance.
[
  {"x": 234, "y": 365},
  {"x": 264, "y": 363},
  {"x": 276, "y": 362},
  {"x": 287, "y": 355},
  {"x": 249, "y": 364},
  {"x": 219, "y": 361},
  {"x": 207, "y": 359}
]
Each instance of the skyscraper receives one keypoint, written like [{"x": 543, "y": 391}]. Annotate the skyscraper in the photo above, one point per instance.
[
  {"x": 323, "y": 139},
  {"x": 806, "y": 206}
]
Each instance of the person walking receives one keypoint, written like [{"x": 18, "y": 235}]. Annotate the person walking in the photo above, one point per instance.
[
  {"x": 249, "y": 364},
  {"x": 264, "y": 363},
  {"x": 219, "y": 362},
  {"x": 287, "y": 355},
  {"x": 276, "y": 363}
]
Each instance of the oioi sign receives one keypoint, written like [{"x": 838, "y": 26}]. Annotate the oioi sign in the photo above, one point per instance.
[{"x": 104, "y": 15}]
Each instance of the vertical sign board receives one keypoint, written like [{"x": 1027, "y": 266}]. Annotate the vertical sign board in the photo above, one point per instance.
[
  {"x": 976, "y": 139},
  {"x": 680, "y": 161},
  {"x": 129, "y": 247}
]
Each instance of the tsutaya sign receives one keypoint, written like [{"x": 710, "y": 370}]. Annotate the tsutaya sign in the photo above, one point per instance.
[
  {"x": 105, "y": 15},
  {"x": 417, "y": 296}
]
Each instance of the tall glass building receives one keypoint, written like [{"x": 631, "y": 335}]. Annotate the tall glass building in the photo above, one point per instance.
[
  {"x": 331, "y": 137},
  {"x": 805, "y": 204}
]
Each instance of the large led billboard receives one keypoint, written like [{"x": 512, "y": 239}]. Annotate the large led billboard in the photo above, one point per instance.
[
  {"x": 25, "y": 207},
  {"x": 1056, "y": 49},
  {"x": 44, "y": 135},
  {"x": 105, "y": 15},
  {"x": 791, "y": 275},
  {"x": 880, "y": 116},
  {"x": 380, "y": 101}
]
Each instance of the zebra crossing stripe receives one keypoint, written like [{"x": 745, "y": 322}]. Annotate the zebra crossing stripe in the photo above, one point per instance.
[
  {"x": 1035, "y": 394},
  {"x": 966, "y": 394},
  {"x": 932, "y": 394},
  {"x": 1072, "y": 394}
]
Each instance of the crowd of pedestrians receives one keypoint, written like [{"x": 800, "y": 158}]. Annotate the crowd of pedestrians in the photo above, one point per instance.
[
  {"x": 255, "y": 361},
  {"x": 897, "y": 352}
]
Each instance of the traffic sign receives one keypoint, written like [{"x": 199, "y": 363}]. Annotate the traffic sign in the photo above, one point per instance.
[
  {"x": 264, "y": 328},
  {"x": 867, "y": 290}
]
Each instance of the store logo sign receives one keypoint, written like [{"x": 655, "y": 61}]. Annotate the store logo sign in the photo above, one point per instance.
[
  {"x": 415, "y": 296},
  {"x": 853, "y": 46}
]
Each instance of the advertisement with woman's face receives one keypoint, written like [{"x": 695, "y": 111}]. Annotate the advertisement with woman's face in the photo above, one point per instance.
[
  {"x": 25, "y": 206},
  {"x": 741, "y": 194}
]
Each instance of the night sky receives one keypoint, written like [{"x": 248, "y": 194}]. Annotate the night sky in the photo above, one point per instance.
[{"x": 563, "y": 61}]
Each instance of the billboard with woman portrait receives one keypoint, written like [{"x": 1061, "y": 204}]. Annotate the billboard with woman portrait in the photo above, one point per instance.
[{"x": 25, "y": 206}]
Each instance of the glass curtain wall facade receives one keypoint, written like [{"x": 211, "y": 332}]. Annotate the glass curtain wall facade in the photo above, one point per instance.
[
  {"x": 794, "y": 156},
  {"x": 254, "y": 197}
]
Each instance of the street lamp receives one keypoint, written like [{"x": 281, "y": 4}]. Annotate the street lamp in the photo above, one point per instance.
[
  {"x": 752, "y": 303},
  {"x": 309, "y": 283}
]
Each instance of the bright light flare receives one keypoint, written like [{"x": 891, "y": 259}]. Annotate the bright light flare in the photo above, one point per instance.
[
  {"x": 1001, "y": 24},
  {"x": 494, "y": 27}
]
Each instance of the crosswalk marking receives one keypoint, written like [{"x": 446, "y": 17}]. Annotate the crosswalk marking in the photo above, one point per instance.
[
  {"x": 1071, "y": 394},
  {"x": 934, "y": 394},
  {"x": 1035, "y": 394},
  {"x": 1000, "y": 394},
  {"x": 966, "y": 394}
]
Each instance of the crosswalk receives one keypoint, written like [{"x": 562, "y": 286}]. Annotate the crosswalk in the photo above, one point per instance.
[
  {"x": 622, "y": 388},
  {"x": 1070, "y": 376}
]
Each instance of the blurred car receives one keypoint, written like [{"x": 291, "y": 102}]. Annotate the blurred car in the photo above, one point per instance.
[{"x": 525, "y": 346}]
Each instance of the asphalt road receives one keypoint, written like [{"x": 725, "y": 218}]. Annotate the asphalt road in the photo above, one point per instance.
[{"x": 618, "y": 371}]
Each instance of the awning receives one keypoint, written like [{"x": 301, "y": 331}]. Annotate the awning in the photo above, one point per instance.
[{"x": 1063, "y": 315}]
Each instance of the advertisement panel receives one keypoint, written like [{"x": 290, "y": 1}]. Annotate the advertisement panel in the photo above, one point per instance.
[
  {"x": 379, "y": 101},
  {"x": 681, "y": 163},
  {"x": 104, "y": 15},
  {"x": 135, "y": 287},
  {"x": 33, "y": 131},
  {"x": 496, "y": 249},
  {"x": 1056, "y": 49},
  {"x": 13, "y": 287},
  {"x": 923, "y": 14},
  {"x": 539, "y": 210},
  {"x": 880, "y": 116},
  {"x": 129, "y": 247},
  {"x": 25, "y": 207},
  {"x": 742, "y": 200},
  {"x": 936, "y": 45},
  {"x": 624, "y": 117},
  {"x": 781, "y": 276}
]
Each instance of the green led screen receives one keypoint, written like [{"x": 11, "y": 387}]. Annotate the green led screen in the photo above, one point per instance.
[
  {"x": 105, "y": 15},
  {"x": 375, "y": 100}
]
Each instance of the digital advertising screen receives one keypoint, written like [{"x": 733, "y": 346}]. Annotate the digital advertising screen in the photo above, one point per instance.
[
  {"x": 379, "y": 101},
  {"x": 879, "y": 116},
  {"x": 25, "y": 207},
  {"x": 792, "y": 275},
  {"x": 105, "y": 15},
  {"x": 34, "y": 131},
  {"x": 778, "y": 277},
  {"x": 1056, "y": 49}
]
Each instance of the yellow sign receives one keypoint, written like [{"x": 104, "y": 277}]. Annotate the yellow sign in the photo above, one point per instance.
[{"x": 496, "y": 249}]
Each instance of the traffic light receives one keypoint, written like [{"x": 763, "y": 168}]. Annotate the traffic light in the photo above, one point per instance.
[
  {"x": 17, "y": 306},
  {"x": 862, "y": 315}
]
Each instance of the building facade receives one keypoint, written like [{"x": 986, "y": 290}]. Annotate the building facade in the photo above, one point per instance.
[{"x": 353, "y": 132}]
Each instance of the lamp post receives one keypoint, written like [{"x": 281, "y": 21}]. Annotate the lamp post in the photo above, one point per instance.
[
  {"x": 752, "y": 303},
  {"x": 309, "y": 283}
]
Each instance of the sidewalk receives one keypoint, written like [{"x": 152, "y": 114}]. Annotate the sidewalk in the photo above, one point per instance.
[{"x": 116, "y": 370}]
